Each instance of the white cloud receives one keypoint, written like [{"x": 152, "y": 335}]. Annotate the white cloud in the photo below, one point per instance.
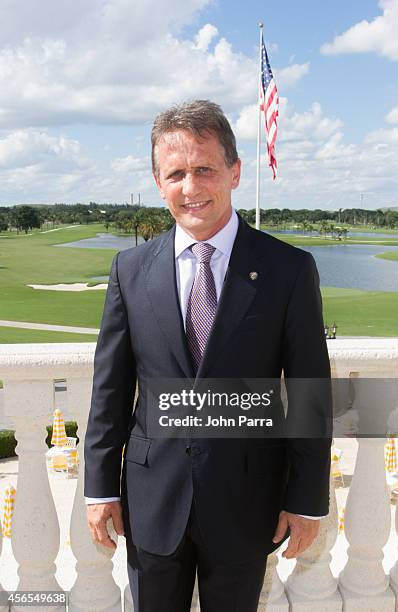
[
  {"x": 333, "y": 149},
  {"x": 205, "y": 36},
  {"x": 382, "y": 137},
  {"x": 286, "y": 77},
  {"x": 25, "y": 148},
  {"x": 100, "y": 20},
  {"x": 38, "y": 166},
  {"x": 379, "y": 35},
  {"x": 296, "y": 126},
  {"x": 292, "y": 126},
  {"x": 116, "y": 62},
  {"x": 245, "y": 127},
  {"x": 392, "y": 116},
  {"x": 317, "y": 167},
  {"x": 130, "y": 164}
]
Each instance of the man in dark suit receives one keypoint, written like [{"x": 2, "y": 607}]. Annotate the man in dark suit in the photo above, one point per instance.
[{"x": 211, "y": 298}]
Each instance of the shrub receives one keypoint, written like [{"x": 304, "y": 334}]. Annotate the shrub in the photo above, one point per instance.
[
  {"x": 7, "y": 444},
  {"x": 8, "y": 441}
]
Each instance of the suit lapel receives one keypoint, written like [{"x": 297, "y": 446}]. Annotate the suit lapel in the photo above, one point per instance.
[
  {"x": 163, "y": 295},
  {"x": 238, "y": 292}
]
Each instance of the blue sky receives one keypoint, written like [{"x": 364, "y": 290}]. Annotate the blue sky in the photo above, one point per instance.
[{"x": 81, "y": 80}]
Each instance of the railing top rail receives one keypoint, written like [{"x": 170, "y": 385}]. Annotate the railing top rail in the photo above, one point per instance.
[
  {"x": 46, "y": 360},
  {"x": 76, "y": 359}
]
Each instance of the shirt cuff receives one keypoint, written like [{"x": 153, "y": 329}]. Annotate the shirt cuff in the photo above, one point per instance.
[
  {"x": 100, "y": 500},
  {"x": 312, "y": 518}
]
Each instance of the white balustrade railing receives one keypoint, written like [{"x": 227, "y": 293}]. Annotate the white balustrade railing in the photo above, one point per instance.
[{"x": 28, "y": 373}]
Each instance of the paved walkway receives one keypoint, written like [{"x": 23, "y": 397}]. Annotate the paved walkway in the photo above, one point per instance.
[
  {"x": 56, "y": 229},
  {"x": 43, "y": 326},
  {"x": 84, "y": 330}
]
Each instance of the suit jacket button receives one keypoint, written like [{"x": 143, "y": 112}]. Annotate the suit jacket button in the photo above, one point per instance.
[{"x": 188, "y": 450}]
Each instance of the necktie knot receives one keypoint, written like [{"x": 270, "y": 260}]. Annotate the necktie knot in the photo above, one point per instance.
[{"x": 203, "y": 251}]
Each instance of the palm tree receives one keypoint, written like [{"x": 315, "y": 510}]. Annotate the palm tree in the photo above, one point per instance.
[
  {"x": 324, "y": 226},
  {"x": 150, "y": 226},
  {"x": 305, "y": 225}
]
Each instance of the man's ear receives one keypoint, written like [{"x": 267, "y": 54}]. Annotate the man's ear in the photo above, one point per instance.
[
  {"x": 159, "y": 186},
  {"x": 236, "y": 169}
]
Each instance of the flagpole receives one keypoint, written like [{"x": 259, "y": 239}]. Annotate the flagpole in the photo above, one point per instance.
[{"x": 260, "y": 25}]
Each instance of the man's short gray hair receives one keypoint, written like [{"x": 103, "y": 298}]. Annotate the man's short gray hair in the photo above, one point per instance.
[{"x": 200, "y": 117}]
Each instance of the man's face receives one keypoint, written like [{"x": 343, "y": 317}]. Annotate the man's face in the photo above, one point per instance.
[{"x": 196, "y": 182}]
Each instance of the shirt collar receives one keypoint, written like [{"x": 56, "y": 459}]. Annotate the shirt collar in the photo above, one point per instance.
[{"x": 223, "y": 240}]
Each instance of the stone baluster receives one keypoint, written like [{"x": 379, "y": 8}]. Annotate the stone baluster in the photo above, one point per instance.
[
  {"x": 311, "y": 585},
  {"x": 35, "y": 528},
  {"x": 2, "y": 608},
  {"x": 128, "y": 599},
  {"x": 394, "y": 571},
  {"x": 272, "y": 596},
  {"x": 367, "y": 521},
  {"x": 393, "y": 432},
  {"x": 95, "y": 588}
]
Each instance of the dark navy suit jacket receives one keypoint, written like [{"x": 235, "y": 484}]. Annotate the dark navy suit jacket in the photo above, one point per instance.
[{"x": 263, "y": 326}]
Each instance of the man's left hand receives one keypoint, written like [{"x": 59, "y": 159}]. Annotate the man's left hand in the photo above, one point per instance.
[{"x": 303, "y": 532}]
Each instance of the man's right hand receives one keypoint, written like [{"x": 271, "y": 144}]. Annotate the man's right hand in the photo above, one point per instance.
[{"x": 97, "y": 516}]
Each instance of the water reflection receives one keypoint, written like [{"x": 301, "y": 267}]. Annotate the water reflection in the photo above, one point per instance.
[
  {"x": 356, "y": 267},
  {"x": 104, "y": 241},
  {"x": 339, "y": 265}
]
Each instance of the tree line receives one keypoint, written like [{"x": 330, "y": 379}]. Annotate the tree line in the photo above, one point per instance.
[
  {"x": 275, "y": 217},
  {"x": 149, "y": 221}
]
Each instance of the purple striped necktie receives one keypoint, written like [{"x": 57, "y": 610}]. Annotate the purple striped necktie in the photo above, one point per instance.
[{"x": 202, "y": 303}]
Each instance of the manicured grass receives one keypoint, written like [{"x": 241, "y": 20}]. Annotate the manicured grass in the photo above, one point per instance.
[
  {"x": 81, "y": 309},
  {"x": 361, "y": 313},
  {"x": 34, "y": 260},
  {"x": 390, "y": 255},
  {"x": 15, "y": 335}
]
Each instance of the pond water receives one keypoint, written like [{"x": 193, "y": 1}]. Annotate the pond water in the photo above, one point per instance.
[
  {"x": 355, "y": 267},
  {"x": 340, "y": 265},
  {"x": 104, "y": 241}
]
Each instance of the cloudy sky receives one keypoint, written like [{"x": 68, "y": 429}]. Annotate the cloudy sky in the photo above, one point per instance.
[{"x": 81, "y": 80}]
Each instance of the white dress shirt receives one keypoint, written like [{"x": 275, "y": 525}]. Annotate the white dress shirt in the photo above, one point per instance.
[{"x": 186, "y": 266}]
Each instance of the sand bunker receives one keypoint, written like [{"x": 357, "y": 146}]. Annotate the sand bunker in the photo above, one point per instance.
[{"x": 69, "y": 287}]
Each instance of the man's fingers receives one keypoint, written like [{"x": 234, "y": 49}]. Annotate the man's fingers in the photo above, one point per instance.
[
  {"x": 118, "y": 520},
  {"x": 302, "y": 534},
  {"x": 98, "y": 515},
  {"x": 292, "y": 550},
  {"x": 297, "y": 547},
  {"x": 281, "y": 528},
  {"x": 303, "y": 545},
  {"x": 103, "y": 537}
]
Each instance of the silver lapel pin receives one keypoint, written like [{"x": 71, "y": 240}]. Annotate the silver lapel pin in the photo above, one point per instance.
[{"x": 253, "y": 275}]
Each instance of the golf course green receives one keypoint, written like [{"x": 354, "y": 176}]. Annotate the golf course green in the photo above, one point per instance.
[
  {"x": 390, "y": 255},
  {"x": 33, "y": 259}
]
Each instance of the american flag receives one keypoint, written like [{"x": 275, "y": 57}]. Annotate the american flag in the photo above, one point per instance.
[{"x": 269, "y": 104}]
